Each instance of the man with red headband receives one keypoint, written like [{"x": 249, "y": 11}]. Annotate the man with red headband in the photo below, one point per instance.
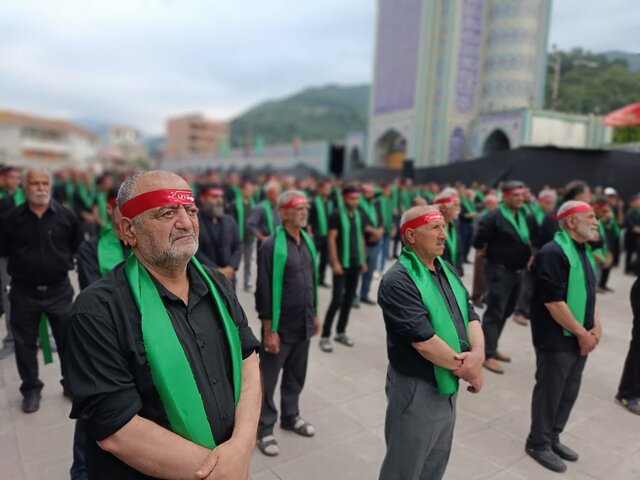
[
  {"x": 434, "y": 338},
  {"x": 601, "y": 248},
  {"x": 448, "y": 202},
  {"x": 162, "y": 363},
  {"x": 40, "y": 239},
  {"x": 503, "y": 237},
  {"x": 287, "y": 262},
  {"x": 219, "y": 241},
  {"x": 346, "y": 251},
  {"x": 565, "y": 324}
]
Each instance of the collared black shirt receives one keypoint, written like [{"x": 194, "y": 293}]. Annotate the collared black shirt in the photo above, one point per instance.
[
  {"x": 336, "y": 224},
  {"x": 550, "y": 269},
  {"x": 107, "y": 368},
  {"x": 296, "y": 308},
  {"x": 407, "y": 320},
  {"x": 504, "y": 245},
  {"x": 545, "y": 232},
  {"x": 219, "y": 241},
  {"x": 40, "y": 250},
  {"x": 89, "y": 264}
]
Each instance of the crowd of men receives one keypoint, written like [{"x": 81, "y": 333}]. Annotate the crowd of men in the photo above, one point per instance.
[{"x": 160, "y": 390}]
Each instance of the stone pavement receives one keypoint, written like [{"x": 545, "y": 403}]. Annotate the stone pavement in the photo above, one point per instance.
[{"x": 344, "y": 399}]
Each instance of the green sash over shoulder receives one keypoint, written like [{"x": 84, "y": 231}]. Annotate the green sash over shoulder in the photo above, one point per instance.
[
  {"x": 520, "y": 226},
  {"x": 576, "y": 288},
  {"x": 321, "y": 215},
  {"x": 170, "y": 369},
  {"x": 279, "y": 263},
  {"x": 451, "y": 242},
  {"x": 346, "y": 236},
  {"x": 19, "y": 197},
  {"x": 110, "y": 251},
  {"x": 439, "y": 315},
  {"x": 268, "y": 215}
]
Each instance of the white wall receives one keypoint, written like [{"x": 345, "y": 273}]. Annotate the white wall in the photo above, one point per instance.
[{"x": 558, "y": 132}]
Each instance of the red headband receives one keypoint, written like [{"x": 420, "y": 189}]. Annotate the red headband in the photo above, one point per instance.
[
  {"x": 421, "y": 220},
  {"x": 582, "y": 208},
  {"x": 156, "y": 198},
  {"x": 295, "y": 201},
  {"x": 438, "y": 201},
  {"x": 513, "y": 191},
  {"x": 212, "y": 191}
]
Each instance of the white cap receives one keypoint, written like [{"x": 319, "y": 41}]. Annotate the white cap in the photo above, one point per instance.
[{"x": 610, "y": 191}]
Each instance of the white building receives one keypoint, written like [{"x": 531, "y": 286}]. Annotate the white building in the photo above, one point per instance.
[{"x": 31, "y": 141}]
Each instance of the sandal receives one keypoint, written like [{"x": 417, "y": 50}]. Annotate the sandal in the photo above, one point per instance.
[
  {"x": 269, "y": 446},
  {"x": 301, "y": 427}
]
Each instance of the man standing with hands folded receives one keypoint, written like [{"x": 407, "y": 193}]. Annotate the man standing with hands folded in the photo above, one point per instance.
[
  {"x": 434, "y": 338},
  {"x": 565, "y": 324}
]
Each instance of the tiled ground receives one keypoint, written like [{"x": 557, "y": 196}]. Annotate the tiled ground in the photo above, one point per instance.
[{"x": 344, "y": 398}]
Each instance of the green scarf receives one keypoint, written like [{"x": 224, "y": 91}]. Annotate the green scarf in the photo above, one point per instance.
[
  {"x": 170, "y": 369},
  {"x": 110, "y": 251},
  {"x": 268, "y": 215},
  {"x": 69, "y": 189},
  {"x": 321, "y": 214},
  {"x": 346, "y": 236},
  {"x": 613, "y": 225},
  {"x": 387, "y": 213},
  {"x": 452, "y": 242},
  {"x": 395, "y": 197},
  {"x": 45, "y": 344},
  {"x": 101, "y": 198},
  {"x": 469, "y": 206},
  {"x": 279, "y": 263},
  {"x": 242, "y": 214},
  {"x": 370, "y": 210},
  {"x": 439, "y": 315},
  {"x": 576, "y": 288},
  {"x": 538, "y": 213},
  {"x": 479, "y": 195},
  {"x": 405, "y": 199},
  {"x": 604, "y": 249},
  {"x": 429, "y": 195},
  {"x": 87, "y": 195},
  {"x": 19, "y": 197},
  {"x": 520, "y": 227}
]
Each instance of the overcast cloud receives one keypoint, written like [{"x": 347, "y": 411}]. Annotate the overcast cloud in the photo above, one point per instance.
[{"x": 136, "y": 62}]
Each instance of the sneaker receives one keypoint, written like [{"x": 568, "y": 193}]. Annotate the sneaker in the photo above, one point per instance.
[
  {"x": 344, "y": 339},
  {"x": 631, "y": 404},
  {"x": 325, "y": 345},
  {"x": 548, "y": 459}
]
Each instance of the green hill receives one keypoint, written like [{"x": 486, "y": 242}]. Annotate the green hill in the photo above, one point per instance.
[{"x": 323, "y": 113}]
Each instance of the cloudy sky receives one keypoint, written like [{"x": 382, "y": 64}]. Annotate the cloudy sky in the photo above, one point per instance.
[{"x": 137, "y": 61}]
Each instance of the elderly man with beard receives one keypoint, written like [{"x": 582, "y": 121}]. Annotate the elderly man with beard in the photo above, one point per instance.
[
  {"x": 565, "y": 324},
  {"x": 287, "y": 262},
  {"x": 219, "y": 241},
  {"x": 162, "y": 364},
  {"x": 39, "y": 239},
  {"x": 434, "y": 338},
  {"x": 448, "y": 202}
]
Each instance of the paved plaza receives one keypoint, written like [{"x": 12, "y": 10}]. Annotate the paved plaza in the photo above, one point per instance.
[{"x": 344, "y": 398}]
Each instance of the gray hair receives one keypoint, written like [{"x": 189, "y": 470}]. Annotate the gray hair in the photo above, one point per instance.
[
  {"x": 26, "y": 173},
  {"x": 285, "y": 197},
  {"x": 270, "y": 185},
  {"x": 446, "y": 193},
  {"x": 567, "y": 206},
  {"x": 548, "y": 193}
]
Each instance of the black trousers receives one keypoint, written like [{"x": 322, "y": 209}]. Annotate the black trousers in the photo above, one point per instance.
[
  {"x": 322, "y": 247},
  {"x": 292, "y": 361},
  {"x": 604, "y": 277},
  {"x": 344, "y": 289},
  {"x": 527, "y": 282},
  {"x": 466, "y": 238},
  {"x": 631, "y": 248},
  {"x": 27, "y": 305},
  {"x": 558, "y": 377},
  {"x": 503, "y": 287},
  {"x": 630, "y": 381}
]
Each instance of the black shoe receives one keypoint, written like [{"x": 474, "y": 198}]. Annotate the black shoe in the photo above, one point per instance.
[
  {"x": 31, "y": 403},
  {"x": 367, "y": 301},
  {"x": 565, "y": 452},
  {"x": 547, "y": 459}
]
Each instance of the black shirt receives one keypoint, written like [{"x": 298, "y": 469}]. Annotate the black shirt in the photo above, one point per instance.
[
  {"x": 257, "y": 220},
  {"x": 107, "y": 368},
  {"x": 40, "y": 250},
  {"x": 336, "y": 224},
  {"x": 550, "y": 269},
  {"x": 407, "y": 320},
  {"x": 313, "y": 219},
  {"x": 89, "y": 264},
  {"x": 545, "y": 232},
  {"x": 219, "y": 242},
  {"x": 296, "y": 308},
  {"x": 504, "y": 245}
]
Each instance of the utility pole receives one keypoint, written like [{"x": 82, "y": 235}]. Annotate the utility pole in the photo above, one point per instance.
[{"x": 555, "y": 87}]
